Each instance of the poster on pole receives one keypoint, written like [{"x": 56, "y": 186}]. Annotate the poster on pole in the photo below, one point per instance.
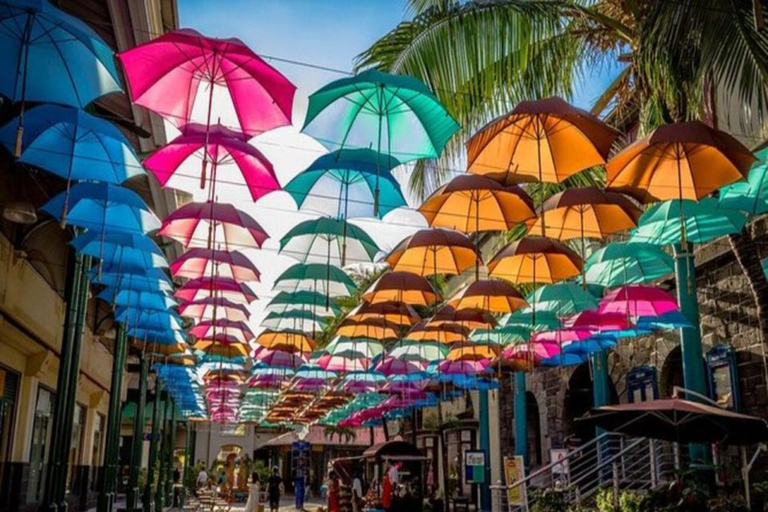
[
  {"x": 514, "y": 472},
  {"x": 560, "y": 468},
  {"x": 474, "y": 467}
]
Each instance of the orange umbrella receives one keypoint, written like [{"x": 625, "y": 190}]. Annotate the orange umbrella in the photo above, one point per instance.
[
  {"x": 217, "y": 339},
  {"x": 404, "y": 287},
  {"x": 434, "y": 251},
  {"x": 162, "y": 349},
  {"x": 288, "y": 341},
  {"x": 471, "y": 203},
  {"x": 546, "y": 140},
  {"x": 493, "y": 296},
  {"x": 444, "y": 333},
  {"x": 469, "y": 318},
  {"x": 537, "y": 260},
  {"x": 679, "y": 161},
  {"x": 471, "y": 351},
  {"x": 228, "y": 351},
  {"x": 376, "y": 328},
  {"x": 395, "y": 312}
]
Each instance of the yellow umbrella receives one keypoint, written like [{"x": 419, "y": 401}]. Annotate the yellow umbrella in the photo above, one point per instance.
[
  {"x": 404, "y": 287},
  {"x": 398, "y": 313},
  {"x": 376, "y": 328},
  {"x": 445, "y": 333},
  {"x": 471, "y": 351},
  {"x": 493, "y": 296},
  {"x": 434, "y": 251},
  {"x": 288, "y": 341},
  {"x": 537, "y": 260}
]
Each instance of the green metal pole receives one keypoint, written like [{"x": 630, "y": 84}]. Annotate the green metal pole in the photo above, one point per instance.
[
  {"x": 147, "y": 502},
  {"x": 485, "y": 445},
  {"x": 186, "y": 473},
  {"x": 690, "y": 339},
  {"x": 137, "y": 442},
  {"x": 171, "y": 455},
  {"x": 55, "y": 464},
  {"x": 521, "y": 417},
  {"x": 162, "y": 460},
  {"x": 601, "y": 395},
  {"x": 106, "y": 498}
]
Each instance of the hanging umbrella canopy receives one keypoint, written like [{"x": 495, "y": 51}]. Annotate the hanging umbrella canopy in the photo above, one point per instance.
[
  {"x": 468, "y": 318},
  {"x": 535, "y": 259},
  {"x": 73, "y": 144},
  {"x": 202, "y": 157},
  {"x": 330, "y": 241},
  {"x": 670, "y": 320},
  {"x": 680, "y": 421},
  {"x": 279, "y": 359},
  {"x": 162, "y": 350},
  {"x": 295, "y": 320},
  {"x": 185, "y": 77},
  {"x": 702, "y": 221},
  {"x": 138, "y": 299},
  {"x": 389, "y": 366},
  {"x": 470, "y": 203},
  {"x": 214, "y": 309},
  {"x": 638, "y": 300},
  {"x": 679, "y": 161},
  {"x": 286, "y": 341},
  {"x": 348, "y": 347},
  {"x": 562, "y": 299},
  {"x": 546, "y": 140},
  {"x": 621, "y": 263},
  {"x": 149, "y": 280},
  {"x": 149, "y": 319},
  {"x": 213, "y": 226},
  {"x": 303, "y": 299},
  {"x": 130, "y": 252},
  {"x": 215, "y": 287},
  {"x": 233, "y": 350},
  {"x": 218, "y": 338},
  {"x": 342, "y": 184},
  {"x": 376, "y": 328},
  {"x": 418, "y": 351},
  {"x": 404, "y": 287},
  {"x": 749, "y": 196},
  {"x": 344, "y": 363},
  {"x": 102, "y": 207},
  {"x": 463, "y": 367},
  {"x": 395, "y": 312},
  {"x": 488, "y": 295},
  {"x": 560, "y": 337},
  {"x": 503, "y": 334},
  {"x": 543, "y": 321},
  {"x": 326, "y": 279},
  {"x": 565, "y": 360},
  {"x": 50, "y": 56},
  {"x": 472, "y": 351},
  {"x": 587, "y": 212},
  {"x": 379, "y": 110},
  {"x": 593, "y": 320},
  {"x": 443, "y": 333},
  {"x": 434, "y": 251},
  {"x": 238, "y": 330},
  {"x": 197, "y": 262}
]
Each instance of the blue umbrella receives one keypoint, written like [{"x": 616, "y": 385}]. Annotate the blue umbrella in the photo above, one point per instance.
[
  {"x": 149, "y": 319},
  {"x": 102, "y": 207},
  {"x": 74, "y": 145},
  {"x": 671, "y": 320},
  {"x": 50, "y": 56},
  {"x": 128, "y": 252},
  {"x": 150, "y": 280},
  {"x": 157, "y": 336},
  {"x": 589, "y": 346},
  {"x": 565, "y": 360},
  {"x": 155, "y": 301}
]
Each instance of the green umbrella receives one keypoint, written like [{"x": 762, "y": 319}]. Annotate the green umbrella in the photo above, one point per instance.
[
  {"x": 622, "y": 263},
  {"x": 419, "y": 351},
  {"x": 329, "y": 241},
  {"x": 704, "y": 221},
  {"x": 749, "y": 196},
  {"x": 545, "y": 320},
  {"x": 341, "y": 346},
  {"x": 303, "y": 299},
  {"x": 341, "y": 184},
  {"x": 504, "y": 334},
  {"x": 396, "y": 114},
  {"x": 319, "y": 277},
  {"x": 562, "y": 299},
  {"x": 294, "y": 319}
]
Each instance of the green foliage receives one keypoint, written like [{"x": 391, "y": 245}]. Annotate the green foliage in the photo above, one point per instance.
[
  {"x": 632, "y": 501},
  {"x": 547, "y": 500},
  {"x": 345, "y": 434},
  {"x": 604, "y": 500}
]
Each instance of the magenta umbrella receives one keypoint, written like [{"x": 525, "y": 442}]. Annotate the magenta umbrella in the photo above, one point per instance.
[
  {"x": 531, "y": 351},
  {"x": 595, "y": 321},
  {"x": 392, "y": 366},
  {"x": 235, "y": 328},
  {"x": 334, "y": 363},
  {"x": 216, "y": 309},
  {"x": 638, "y": 300},
  {"x": 463, "y": 367},
  {"x": 560, "y": 336},
  {"x": 279, "y": 358},
  {"x": 185, "y": 77},
  {"x": 213, "y": 226},
  {"x": 183, "y": 163},
  {"x": 199, "y": 262},
  {"x": 404, "y": 387},
  {"x": 215, "y": 287}
]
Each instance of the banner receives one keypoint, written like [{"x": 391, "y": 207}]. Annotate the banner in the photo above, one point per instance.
[
  {"x": 474, "y": 467},
  {"x": 514, "y": 471}
]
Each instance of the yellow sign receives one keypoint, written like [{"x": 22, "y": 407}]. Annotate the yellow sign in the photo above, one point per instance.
[{"x": 514, "y": 472}]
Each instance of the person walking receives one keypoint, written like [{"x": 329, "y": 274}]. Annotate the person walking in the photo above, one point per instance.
[
  {"x": 333, "y": 492},
  {"x": 274, "y": 489},
  {"x": 202, "y": 478},
  {"x": 254, "y": 494}
]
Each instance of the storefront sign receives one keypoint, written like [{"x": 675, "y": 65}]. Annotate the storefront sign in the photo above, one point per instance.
[
  {"x": 474, "y": 467},
  {"x": 514, "y": 472}
]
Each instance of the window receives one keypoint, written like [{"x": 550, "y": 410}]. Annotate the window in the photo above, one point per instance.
[
  {"x": 41, "y": 439},
  {"x": 75, "y": 447}
]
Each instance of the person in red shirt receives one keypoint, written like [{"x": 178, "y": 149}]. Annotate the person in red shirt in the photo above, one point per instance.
[
  {"x": 386, "y": 491},
  {"x": 333, "y": 492}
]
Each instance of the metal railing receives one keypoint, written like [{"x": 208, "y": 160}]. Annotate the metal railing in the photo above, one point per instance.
[{"x": 610, "y": 461}]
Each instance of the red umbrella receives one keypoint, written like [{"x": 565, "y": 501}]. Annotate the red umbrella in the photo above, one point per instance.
[
  {"x": 595, "y": 321},
  {"x": 218, "y": 287},
  {"x": 199, "y": 262},
  {"x": 213, "y": 225}
]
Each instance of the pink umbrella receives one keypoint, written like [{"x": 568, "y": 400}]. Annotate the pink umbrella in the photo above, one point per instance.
[
  {"x": 638, "y": 300},
  {"x": 190, "y": 225},
  {"x": 220, "y": 338},
  {"x": 392, "y": 366},
  {"x": 462, "y": 367},
  {"x": 199, "y": 262},
  {"x": 182, "y": 163},
  {"x": 279, "y": 358},
  {"x": 595, "y": 321},
  {"x": 219, "y": 287},
  {"x": 236, "y": 328},
  {"x": 265, "y": 381},
  {"x": 216, "y": 309},
  {"x": 404, "y": 387},
  {"x": 186, "y": 77},
  {"x": 530, "y": 352},
  {"x": 357, "y": 387},
  {"x": 333, "y": 363},
  {"x": 561, "y": 336}
]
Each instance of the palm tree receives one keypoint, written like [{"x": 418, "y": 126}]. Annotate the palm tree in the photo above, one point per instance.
[{"x": 672, "y": 57}]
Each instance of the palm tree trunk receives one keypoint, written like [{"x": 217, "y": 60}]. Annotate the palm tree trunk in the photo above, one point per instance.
[{"x": 746, "y": 252}]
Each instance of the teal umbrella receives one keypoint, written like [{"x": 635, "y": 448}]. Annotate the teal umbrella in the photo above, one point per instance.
[
  {"x": 341, "y": 184},
  {"x": 303, "y": 299},
  {"x": 545, "y": 320},
  {"x": 295, "y": 320},
  {"x": 341, "y": 346},
  {"x": 325, "y": 279},
  {"x": 504, "y": 334},
  {"x": 623, "y": 263},
  {"x": 562, "y": 299},
  {"x": 396, "y": 114},
  {"x": 328, "y": 241},
  {"x": 749, "y": 196},
  {"x": 704, "y": 221}
]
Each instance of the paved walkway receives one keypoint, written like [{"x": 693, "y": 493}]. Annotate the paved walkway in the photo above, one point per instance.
[{"x": 287, "y": 505}]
